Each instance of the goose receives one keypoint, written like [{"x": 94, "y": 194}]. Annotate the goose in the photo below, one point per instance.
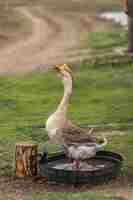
[{"x": 78, "y": 142}]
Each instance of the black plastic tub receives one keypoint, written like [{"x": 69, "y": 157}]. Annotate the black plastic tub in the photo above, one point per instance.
[{"x": 111, "y": 166}]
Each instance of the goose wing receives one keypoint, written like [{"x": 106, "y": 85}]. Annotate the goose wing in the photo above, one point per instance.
[{"x": 74, "y": 134}]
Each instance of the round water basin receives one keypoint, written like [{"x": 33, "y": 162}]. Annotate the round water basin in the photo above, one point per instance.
[{"x": 99, "y": 169}]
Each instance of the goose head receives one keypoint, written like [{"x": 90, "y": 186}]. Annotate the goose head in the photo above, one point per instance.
[{"x": 64, "y": 71}]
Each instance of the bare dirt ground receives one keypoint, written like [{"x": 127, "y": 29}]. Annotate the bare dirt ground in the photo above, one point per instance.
[
  {"x": 21, "y": 189},
  {"x": 50, "y": 38},
  {"x": 55, "y": 38}
]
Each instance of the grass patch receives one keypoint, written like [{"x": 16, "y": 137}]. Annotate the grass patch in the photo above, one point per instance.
[
  {"x": 103, "y": 5},
  {"x": 107, "y": 40},
  {"x": 104, "y": 94},
  {"x": 76, "y": 196}
]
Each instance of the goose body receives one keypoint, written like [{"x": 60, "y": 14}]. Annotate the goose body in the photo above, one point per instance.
[
  {"x": 62, "y": 131},
  {"x": 85, "y": 151}
]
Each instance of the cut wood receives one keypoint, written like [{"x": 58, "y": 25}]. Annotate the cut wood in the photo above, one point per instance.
[{"x": 26, "y": 159}]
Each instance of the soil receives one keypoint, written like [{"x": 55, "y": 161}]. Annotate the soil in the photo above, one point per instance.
[
  {"x": 50, "y": 38},
  {"x": 55, "y": 38},
  {"x": 12, "y": 188}
]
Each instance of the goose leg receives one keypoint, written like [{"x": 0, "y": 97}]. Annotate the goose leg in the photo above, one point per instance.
[{"x": 76, "y": 164}]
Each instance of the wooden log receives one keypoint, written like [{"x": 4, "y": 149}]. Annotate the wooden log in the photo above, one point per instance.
[{"x": 26, "y": 159}]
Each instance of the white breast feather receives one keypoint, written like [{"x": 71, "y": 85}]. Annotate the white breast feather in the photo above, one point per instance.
[{"x": 81, "y": 152}]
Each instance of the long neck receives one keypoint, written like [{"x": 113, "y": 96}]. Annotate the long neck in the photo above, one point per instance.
[{"x": 63, "y": 106}]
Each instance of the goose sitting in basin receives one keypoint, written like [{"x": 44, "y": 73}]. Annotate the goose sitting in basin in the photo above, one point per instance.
[{"x": 80, "y": 152}]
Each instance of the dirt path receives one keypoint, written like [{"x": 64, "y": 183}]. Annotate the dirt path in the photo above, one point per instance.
[
  {"x": 55, "y": 38},
  {"x": 51, "y": 37},
  {"x": 22, "y": 189}
]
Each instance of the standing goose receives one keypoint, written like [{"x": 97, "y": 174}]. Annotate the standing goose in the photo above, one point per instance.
[{"x": 80, "y": 143}]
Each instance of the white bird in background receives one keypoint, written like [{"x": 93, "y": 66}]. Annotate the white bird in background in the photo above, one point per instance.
[{"x": 79, "y": 143}]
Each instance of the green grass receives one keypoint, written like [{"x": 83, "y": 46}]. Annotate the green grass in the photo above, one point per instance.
[
  {"x": 104, "y": 93},
  {"x": 107, "y": 40},
  {"x": 103, "y": 5},
  {"x": 109, "y": 37},
  {"x": 76, "y": 196},
  {"x": 100, "y": 95}
]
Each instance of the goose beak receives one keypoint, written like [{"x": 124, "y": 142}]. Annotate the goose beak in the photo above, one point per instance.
[
  {"x": 67, "y": 68},
  {"x": 62, "y": 68}
]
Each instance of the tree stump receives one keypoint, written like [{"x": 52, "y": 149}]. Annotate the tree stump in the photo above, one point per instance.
[{"x": 26, "y": 159}]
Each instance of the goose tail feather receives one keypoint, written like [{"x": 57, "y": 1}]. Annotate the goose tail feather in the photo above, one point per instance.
[{"x": 100, "y": 147}]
